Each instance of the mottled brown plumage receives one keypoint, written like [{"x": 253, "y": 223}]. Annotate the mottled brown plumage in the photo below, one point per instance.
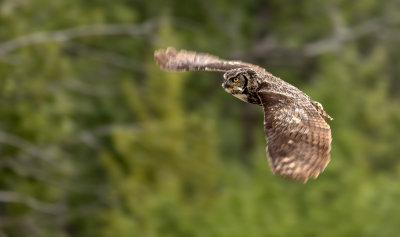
[{"x": 297, "y": 135}]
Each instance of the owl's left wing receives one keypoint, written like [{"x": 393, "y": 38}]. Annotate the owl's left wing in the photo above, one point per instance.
[
  {"x": 184, "y": 60},
  {"x": 298, "y": 138}
]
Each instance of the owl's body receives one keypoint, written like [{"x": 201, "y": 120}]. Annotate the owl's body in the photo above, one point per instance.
[{"x": 297, "y": 135}]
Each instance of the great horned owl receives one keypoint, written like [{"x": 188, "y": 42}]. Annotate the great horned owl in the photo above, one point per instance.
[{"x": 298, "y": 138}]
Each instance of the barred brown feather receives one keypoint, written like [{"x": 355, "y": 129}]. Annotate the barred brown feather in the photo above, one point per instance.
[{"x": 298, "y": 137}]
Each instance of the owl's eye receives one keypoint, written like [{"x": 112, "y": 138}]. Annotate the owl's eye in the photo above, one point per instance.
[{"x": 236, "y": 79}]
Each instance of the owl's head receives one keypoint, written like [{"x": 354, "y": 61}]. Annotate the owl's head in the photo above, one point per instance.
[
  {"x": 238, "y": 82},
  {"x": 235, "y": 81}
]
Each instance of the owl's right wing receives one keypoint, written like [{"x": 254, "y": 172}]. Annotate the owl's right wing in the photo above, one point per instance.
[
  {"x": 298, "y": 138},
  {"x": 183, "y": 60}
]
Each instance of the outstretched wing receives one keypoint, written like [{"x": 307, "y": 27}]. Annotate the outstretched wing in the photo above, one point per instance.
[
  {"x": 183, "y": 60},
  {"x": 298, "y": 138}
]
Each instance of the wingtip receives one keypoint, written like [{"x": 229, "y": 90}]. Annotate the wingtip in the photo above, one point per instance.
[
  {"x": 163, "y": 56},
  {"x": 160, "y": 57},
  {"x": 301, "y": 176}
]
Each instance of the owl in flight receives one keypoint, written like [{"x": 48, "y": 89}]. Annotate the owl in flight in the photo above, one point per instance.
[{"x": 298, "y": 138}]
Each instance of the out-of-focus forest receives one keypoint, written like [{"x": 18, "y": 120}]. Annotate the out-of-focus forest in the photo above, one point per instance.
[{"x": 96, "y": 140}]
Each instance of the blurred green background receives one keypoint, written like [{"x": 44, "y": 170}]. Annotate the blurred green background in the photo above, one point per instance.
[{"x": 96, "y": 140}]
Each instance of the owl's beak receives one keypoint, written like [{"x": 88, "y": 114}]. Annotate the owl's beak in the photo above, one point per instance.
[{"x": 223, "y": 85}]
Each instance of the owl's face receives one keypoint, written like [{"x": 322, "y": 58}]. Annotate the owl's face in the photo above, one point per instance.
[{"x": 235, "y": 83}]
